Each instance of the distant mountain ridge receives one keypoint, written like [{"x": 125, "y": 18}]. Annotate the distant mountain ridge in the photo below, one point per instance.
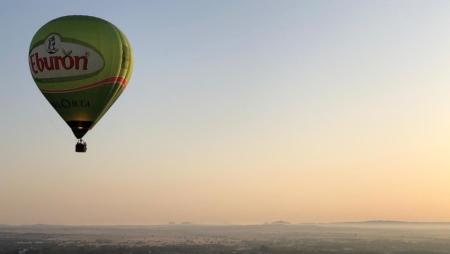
[
  {"x": 280, "y": 222},
  {"x": 275, "y": 223},
  {"x": 390, "y": 222},
  {"x": 378, "y": 221}
]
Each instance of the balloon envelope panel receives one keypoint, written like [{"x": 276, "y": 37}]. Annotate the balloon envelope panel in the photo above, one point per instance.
[{"x": 81, "y": 64}]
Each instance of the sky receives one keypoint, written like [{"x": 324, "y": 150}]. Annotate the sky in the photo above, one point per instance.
[{"x": 239, "y": 112}]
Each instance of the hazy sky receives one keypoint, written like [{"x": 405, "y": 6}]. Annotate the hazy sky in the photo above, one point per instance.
[{"x": 239, "y": 112}]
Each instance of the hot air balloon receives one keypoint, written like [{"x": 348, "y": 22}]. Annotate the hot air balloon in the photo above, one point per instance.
[{"x": 81, "y": 64}]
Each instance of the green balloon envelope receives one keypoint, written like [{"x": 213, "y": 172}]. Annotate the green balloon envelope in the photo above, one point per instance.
[{"x": 81, "y": 64}]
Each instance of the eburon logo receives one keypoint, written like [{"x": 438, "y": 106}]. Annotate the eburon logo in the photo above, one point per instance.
[
  {"x": 59, "y": 59},
  {"x": 53, "y": 43}
]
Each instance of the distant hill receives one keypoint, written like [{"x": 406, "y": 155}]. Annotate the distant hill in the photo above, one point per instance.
[
  {"x": 385, "y": 221},
  {"x": 281, "y": 223},
  {"x": 391, "y": 222}
]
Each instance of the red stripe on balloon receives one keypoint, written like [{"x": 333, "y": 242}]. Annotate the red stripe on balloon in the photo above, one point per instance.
[{"x": 120, "y": 80}]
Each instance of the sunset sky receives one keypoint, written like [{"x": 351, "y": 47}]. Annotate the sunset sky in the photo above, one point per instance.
[{"x": 239, "y": 112}]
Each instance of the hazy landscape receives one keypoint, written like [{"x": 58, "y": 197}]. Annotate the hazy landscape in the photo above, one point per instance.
[
  {"x": 275, "y": 237},
  {"x": 242, "y": 127}
]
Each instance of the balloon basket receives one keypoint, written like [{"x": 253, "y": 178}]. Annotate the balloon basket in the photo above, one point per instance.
[{"x": 81, "y": 146}]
